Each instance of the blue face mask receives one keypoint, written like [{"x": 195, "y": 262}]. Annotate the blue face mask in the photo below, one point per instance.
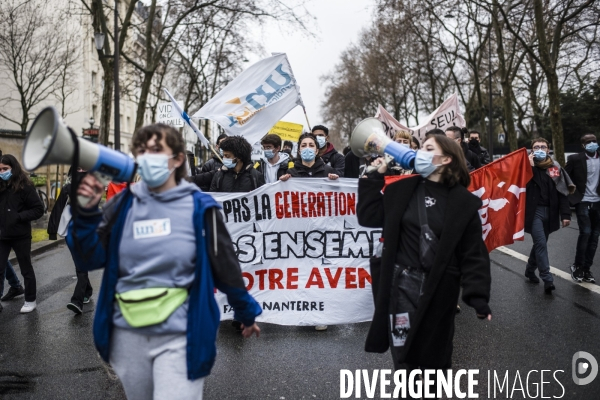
[
  {"x": 221, "y": 152},
  {"x": 269, "y": 154},
  {"x": 424, "y": 163},
  {"x": 308, "y": 154},
  {"x": 591, "y": 147},
  {"x": 6, "y": 175},
  {"x": 322, "y": 141},
  {"x": 229, "y": 162},
  {"x": 154, "y": 169},
  {"x": 539, "y": 155}
]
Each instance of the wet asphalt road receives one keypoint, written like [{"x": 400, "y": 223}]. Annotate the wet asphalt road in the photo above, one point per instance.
[{"x": 49, "y": 354}]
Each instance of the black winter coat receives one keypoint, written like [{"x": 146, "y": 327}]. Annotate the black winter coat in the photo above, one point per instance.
[
  {"x": 335, "y": 160},
  {"x": 559, "y": 205},
  {"x": 214, "y": 164},
  {"x": 57, "y": 211},
  {"x": 318, "y": 170},
  {"x": 203, "y": 179},
  {"x": 17, "y": 210},
  {"x": 472, "y": 158},
  {"x": 229, "y": 181},
  {"x": 576, "y": 167},
  {"x": 461, "y": 256}
]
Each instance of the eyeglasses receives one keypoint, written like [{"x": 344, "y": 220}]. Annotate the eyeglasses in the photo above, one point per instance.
[{"x": 540, "y": 147}]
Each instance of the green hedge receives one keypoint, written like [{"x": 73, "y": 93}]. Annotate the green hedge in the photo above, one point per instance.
[{"x": 38, "y": 180}]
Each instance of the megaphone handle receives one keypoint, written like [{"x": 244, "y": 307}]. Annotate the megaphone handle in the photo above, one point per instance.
[{"x": 103, "y": 179}]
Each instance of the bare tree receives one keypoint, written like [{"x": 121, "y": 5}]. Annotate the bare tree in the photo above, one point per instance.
[{"x": 34, "y": 55}]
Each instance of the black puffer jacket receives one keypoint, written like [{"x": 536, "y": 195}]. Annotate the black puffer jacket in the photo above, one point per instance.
[
  {"x": 334, "y": 159},
  {"x": 318, "y": 170},
  {"x": 213, "y": 164},
  {"x": 229, "y": 181},
  {"x": 17, "y": 210}
]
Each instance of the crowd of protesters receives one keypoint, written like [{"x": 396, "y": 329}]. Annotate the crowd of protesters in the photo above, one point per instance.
[{"x": 430, "y": 221}]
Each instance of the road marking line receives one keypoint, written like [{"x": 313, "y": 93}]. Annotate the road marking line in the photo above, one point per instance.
[{"x": 554, "y": 271}]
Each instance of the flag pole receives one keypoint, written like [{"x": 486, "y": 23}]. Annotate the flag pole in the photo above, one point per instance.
[{"x": 306, "y": 116}]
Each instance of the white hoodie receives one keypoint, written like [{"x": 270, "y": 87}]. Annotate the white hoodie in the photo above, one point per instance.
[{"x": 270, "y": 171}]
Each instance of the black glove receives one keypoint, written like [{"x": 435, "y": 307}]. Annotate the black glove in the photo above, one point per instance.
[{"x": 481, "y": 307}]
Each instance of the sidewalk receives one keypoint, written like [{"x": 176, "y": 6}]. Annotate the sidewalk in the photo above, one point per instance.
[{"x": 38, "y": 248}]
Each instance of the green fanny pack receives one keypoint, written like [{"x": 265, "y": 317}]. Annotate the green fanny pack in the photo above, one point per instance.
[{"x": 145, "y": 307}]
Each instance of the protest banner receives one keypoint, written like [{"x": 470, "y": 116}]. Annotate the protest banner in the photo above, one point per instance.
[
  {"x": 255, "y": 100},
  {"x": 501, "y": 187},
  {"x": 287, "y": 130},
  {"x": 167, "y": 115},
  {"x": 304, "y": 256},
  {"x": 446, "y": 115}
]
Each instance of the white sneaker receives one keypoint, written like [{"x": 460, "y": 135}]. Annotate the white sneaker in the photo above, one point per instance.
[
  {"x": 28, "y": 307},
  {"x": 321, "y": 328}
]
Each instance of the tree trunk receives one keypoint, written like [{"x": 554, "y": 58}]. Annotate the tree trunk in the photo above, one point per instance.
[
  {"x": 106, "y": 108},
  {"x": 555, "y": 118},
  {"x": 141, "y": 110},
  {"x": 505, "y": 82},
  {"x": 552, "y": 82}
]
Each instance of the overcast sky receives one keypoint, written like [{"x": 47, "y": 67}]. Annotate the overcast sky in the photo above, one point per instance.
[{"x": 338, "y": 24}]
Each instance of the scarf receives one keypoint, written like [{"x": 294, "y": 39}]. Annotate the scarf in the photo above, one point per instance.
[{"x": 562, "y": 181}]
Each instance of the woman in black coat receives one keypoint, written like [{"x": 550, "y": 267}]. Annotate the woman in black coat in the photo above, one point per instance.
[
  {"x": 19, "y": 205},
  {"x": 83, "y": 289},
  {"x": 461, "y": 255},
  {"x": 309, "y": 165}
]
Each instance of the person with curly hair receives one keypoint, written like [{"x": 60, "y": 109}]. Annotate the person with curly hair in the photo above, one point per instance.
[
  {"x": 237, "y": 173},
  {"x": 19, "y": 205}
]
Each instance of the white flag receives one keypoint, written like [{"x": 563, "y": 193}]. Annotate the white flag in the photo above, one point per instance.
[
  {"x": 389, "y": 122},
  {"x": 254, "y": 101},
  {"x": 446, "y": 115}
]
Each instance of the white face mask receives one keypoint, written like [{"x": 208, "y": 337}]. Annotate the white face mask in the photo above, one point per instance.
[
  {"x": 424, "y": 163},
  {"x": 154, "y": 169}
]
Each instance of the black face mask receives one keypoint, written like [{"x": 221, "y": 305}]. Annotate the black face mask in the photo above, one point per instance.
[
  {"x": 474, "y": 143},
  {"x": 287, "y": 151}
]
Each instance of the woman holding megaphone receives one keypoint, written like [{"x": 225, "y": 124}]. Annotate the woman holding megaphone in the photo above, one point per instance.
[
  {"x": 164, "y": 248},
  {"x": 432, "y": 241},
  {"x": 19, "y": 205}
]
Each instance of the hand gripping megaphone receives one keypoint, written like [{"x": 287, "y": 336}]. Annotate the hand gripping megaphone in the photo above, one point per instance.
[
  {"x": 51, "y": 141},
  {"x": 369, "y": 138}
]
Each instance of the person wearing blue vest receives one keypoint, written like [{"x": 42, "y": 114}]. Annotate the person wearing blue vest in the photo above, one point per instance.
[{"x": 164, "y": 248}]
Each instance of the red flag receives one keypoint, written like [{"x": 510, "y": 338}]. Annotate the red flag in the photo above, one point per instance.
[{"x": 501, "y": 187}]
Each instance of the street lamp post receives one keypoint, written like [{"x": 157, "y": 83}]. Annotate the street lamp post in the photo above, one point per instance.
[
  {"x": 99, "y": 40},
  {"x": 91, "y": 121}
]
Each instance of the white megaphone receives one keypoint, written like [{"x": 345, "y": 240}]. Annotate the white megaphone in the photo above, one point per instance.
[
  {"x": 50, "y": 142},
  {"x": 369, "y": 138}
]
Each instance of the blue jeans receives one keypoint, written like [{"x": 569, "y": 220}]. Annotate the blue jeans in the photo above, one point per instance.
[
  {"x": 10, "y": 276},
  {"x": 588, "y": 219},
  {"x": 538, "y": 258}
]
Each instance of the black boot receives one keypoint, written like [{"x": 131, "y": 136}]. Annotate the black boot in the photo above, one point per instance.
[
  {"x": 531, "y": 276},
  {"x": 13, "y": 292},
  {"x": 549, "y": 287}
]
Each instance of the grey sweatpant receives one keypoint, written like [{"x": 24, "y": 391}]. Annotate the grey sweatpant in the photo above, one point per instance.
[{"x": 153, "y": 367}]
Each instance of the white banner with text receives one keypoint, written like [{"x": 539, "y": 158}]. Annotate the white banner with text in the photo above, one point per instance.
[{"x": 304, "y": 256}]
